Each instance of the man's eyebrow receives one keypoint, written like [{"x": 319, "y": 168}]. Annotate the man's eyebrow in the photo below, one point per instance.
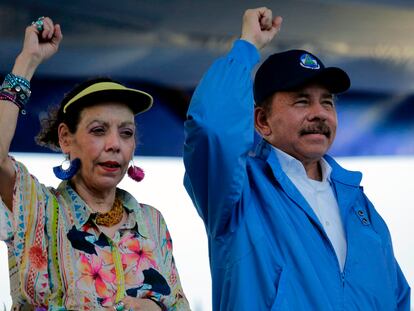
[{"x": 328, "y": 95}]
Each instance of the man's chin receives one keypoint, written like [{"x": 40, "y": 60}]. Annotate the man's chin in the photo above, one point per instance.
[
  {"x": 316, "y": 147},
  {"x": 316, "y": 152}
]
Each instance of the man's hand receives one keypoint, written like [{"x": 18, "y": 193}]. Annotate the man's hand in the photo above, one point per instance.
[{"x": 259, "y": 27}]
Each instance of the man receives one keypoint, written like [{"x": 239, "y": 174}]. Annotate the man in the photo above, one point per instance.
[{"x": 288, "y": 228}]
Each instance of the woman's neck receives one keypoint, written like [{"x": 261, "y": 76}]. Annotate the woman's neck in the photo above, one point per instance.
[{"x": 100, "y": 201}]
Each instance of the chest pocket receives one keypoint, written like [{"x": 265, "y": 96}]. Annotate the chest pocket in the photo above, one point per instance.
[
  {"x": 367, "y": 223},
  {"x": 370, "y": 259},
  {"x": 361, "y": 233}
]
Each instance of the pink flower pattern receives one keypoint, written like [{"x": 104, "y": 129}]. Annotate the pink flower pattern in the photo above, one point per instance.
[
  {"x": 93, "y": 274},
  {"x": 139, "y": 252}
]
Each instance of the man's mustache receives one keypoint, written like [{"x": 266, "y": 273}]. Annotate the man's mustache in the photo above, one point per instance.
[{"x": 316, "y": 128}]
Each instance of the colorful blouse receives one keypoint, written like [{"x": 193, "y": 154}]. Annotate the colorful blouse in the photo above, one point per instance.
[{"x": 59, "y": 259}]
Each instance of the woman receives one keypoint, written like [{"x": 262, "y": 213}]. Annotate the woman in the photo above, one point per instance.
[{"x": 86, "y": 245}]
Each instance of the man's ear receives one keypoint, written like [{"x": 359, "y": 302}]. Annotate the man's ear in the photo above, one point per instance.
[
  {"x": 65, "y": 138},
  {"x": 261, "y": 123}
]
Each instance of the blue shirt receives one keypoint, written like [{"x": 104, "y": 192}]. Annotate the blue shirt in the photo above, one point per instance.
[{"x": 267, "y": 248}]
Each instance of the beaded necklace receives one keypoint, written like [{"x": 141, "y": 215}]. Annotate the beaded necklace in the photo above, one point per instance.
[{"x": 113, "y": 217}]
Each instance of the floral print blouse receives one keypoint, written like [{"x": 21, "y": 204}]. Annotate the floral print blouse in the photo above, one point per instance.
[{"x": 60, "y": 260}]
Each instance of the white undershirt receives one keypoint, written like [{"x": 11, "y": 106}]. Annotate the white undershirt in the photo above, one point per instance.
[{"x": 321, "y": 198}]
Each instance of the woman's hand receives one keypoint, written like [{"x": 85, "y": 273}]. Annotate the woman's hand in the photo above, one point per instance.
[
  {"x": 37, "y": 47},
  {"x": 138, "y": 304}
]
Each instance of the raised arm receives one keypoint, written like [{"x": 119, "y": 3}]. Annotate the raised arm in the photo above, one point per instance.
[
  {"x": 38, "y": 45},
  {"x": 219, "y": 128}
]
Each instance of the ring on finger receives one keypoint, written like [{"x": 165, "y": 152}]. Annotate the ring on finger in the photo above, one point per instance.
[
  {"x": 119, "y": 306},
  {"x": 39, "y": 23}
]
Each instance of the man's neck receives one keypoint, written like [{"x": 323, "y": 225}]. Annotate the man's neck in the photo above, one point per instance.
[
  {"x": 312, "y": 167},
  {"x": 313, "y": 170}
]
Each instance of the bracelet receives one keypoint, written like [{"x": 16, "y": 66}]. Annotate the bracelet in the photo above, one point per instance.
[
  {"x": 14, "y": 80},
  {"x": 4, "y": 95},
  {"x": 18, "y": 86}
]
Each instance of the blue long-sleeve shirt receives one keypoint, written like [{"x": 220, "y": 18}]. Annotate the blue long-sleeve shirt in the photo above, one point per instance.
[{"x": 267, "y": 248}]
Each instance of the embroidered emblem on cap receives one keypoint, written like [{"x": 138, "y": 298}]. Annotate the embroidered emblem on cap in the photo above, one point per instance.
[{"x": 308, "y": 61}]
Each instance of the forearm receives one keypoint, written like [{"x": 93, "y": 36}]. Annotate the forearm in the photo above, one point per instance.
[
  {"x": 25, "y": 66},
  {"x": 9, "y": 112},
  {"x": 8, "y": 119}
]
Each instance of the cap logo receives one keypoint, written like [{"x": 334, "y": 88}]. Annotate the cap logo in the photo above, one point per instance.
[{"x": 308, "y": 61}]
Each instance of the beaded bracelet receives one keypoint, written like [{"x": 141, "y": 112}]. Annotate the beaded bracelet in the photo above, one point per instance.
[
  {"x": 14, "y": 80},
  {"x": 18, "y": 86}
]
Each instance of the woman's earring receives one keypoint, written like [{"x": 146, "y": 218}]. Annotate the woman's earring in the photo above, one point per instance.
[
  {"x": 136, "y": 173},
  {"x": 65, "y": 174}
]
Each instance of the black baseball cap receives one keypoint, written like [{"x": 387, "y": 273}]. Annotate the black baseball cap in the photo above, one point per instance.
[{"x": 294, "y": 68}]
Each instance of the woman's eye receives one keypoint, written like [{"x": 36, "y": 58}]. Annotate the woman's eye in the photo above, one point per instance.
[{"x": 98, "y": 130}]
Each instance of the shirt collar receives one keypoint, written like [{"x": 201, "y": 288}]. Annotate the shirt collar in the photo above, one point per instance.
[
  {"x": 291, "y": 165},
  {"x": 82, "y": 212}
]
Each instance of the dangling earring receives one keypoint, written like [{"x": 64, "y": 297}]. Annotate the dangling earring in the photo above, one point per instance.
[
  {"x": 65, "y": 174},
  {"x": 135, "y": 172}
]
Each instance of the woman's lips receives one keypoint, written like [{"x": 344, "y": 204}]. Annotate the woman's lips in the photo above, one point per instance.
[{"x": 110, "y": 166}]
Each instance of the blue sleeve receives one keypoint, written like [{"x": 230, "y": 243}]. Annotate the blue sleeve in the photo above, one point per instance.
[{"x": 219, "y": 133}]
